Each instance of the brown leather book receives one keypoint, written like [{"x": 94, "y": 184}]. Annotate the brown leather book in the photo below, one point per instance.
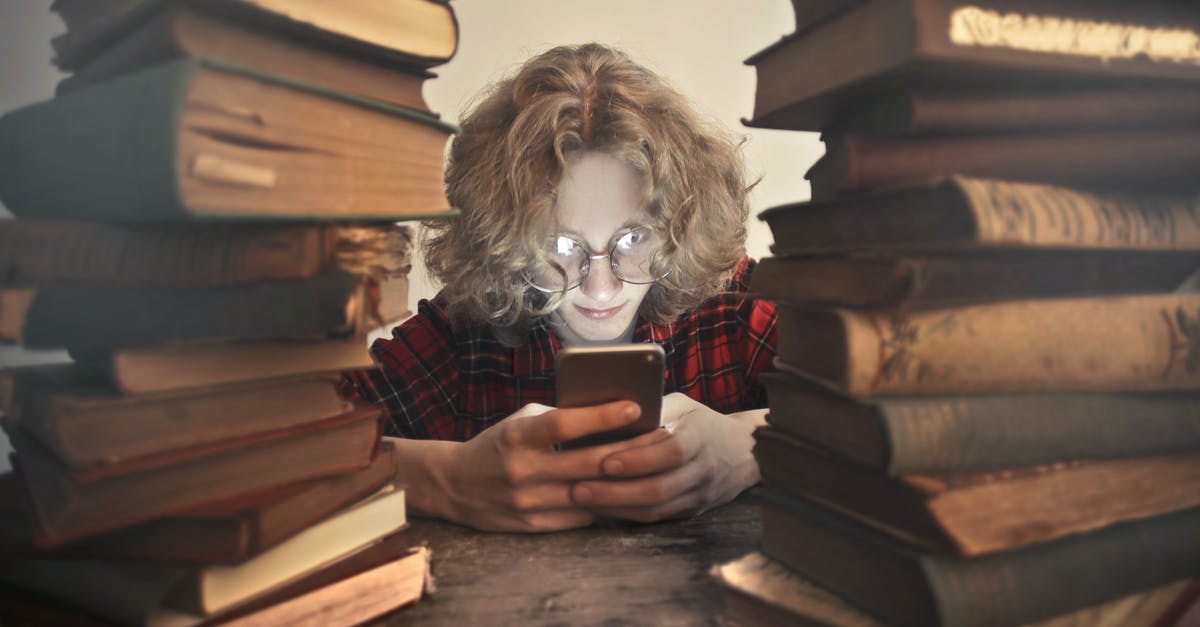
[
  {"x": 961, "y": 213},
  {"x": 418, "y": 33},
  {"x": 86, "y": 423},
  {"x": 1101, "y": 343},
  {"x": 808, "y": 78},
  {"x": 977, "y": 513},
  {"x": 65, "y": 252},
  {"x": 188, "y": 365},
  {"x": 902, "y": 435},
  {"x": 925, "y": 111},
  {"x": 1159, "y": 159},
  {"x": 224, "y": 532},
  {"x": 70, "y": 504},
  {"x": 221, "y": 141},
  {"x": 178, "y": 29},
  {"x": 908, "y": 588},
  {"x": 915, "y": 280}
]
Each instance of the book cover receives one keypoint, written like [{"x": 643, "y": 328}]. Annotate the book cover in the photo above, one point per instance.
[
  {"x": 982, "y": 512},
  {"x": 967, "y": 213},
  {"x": 178, "y": 29},
  {"x": 218, "y": 141},
  {"x": 906, "y": 588},
  {"x": 226, "y": 532},
  {"x": 915, "y": 280},
  {"x": 70, "y": 504},
  {"x": 807, "y": 78},
  {"x": 42, "y": 253},
  {"x": 901, "y": 435},
  {"x": 1097, "y": 344}
]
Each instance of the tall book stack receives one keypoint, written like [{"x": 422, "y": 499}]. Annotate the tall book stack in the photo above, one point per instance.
[
  {"x": 987, "y": 404},
  {"x": 208, "y": 220}
]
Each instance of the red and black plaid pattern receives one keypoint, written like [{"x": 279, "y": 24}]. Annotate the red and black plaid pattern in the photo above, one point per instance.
[{"x": 449, "y": 380}]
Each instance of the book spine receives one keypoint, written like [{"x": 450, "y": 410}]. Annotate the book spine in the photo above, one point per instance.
[
  {"x": 325, "y": 306},
  {"x": 1008, "y": 212},
  {"x": 1120, "y": 343},
  {"x": 976, "y": 433},
  {"x": 105, "y": 153},
  {"x": 52, "y": 252}
]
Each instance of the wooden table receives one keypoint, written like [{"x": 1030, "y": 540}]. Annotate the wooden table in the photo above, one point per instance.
[{"x": 609, "y": 574}]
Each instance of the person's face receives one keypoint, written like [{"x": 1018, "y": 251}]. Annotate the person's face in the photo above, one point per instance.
[{"x": 599, "y": 197}]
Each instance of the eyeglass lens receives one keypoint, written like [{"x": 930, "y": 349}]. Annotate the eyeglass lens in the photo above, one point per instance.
[{"x": 633, "y": 256}]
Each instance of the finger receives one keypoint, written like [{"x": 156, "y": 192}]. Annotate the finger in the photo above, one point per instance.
[
  {"x": 644, "y": 491},
  {"x": 663, "y": 454},
  {"x": 560, "y": 425},
  {"x": 535, "y": 497},
  {"x": 585, "y": 463},
  {"x": 689, "y": 503}
]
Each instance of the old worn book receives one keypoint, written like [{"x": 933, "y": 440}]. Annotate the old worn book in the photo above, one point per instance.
[
  {"x": 1163, "y": 159},
  {"x": 147, "y": 593},
  {"x": 1103, "y": 343},
  {"x": 219, "y": 141},
  {"x": 226, "y": 532},
  {"x": 808, "y": 77},
  {"x": 971, "y": 213},
  {"x": 810, "y": 13},
  {"x": 60, "y": 252},
  {"x": 906, "y": 588},
  {"x": 977, "y": 513},
  {"x": 912, "y": 280},
  {"x": 928, "y": 111},
  {"x": 178, "y": 29},
  {"x": 901, "y": 435},
  {"x": 366, "y": 585},
  {"x": 185, "y": 365},
  {"x": 758, "y": 590},
  {"x": 419, "y": 33},
  {"x": 326, "y": 306},
  {"x": 84, "y": 422},
  {"x": 70, "y": 504}
]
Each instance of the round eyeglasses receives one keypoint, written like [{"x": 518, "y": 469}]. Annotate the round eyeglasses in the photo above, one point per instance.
[{"x": 563, "y": 262}]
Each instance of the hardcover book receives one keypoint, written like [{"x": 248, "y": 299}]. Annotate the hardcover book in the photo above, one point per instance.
[
  {"x": 906, "y": 588},
  {"x": 806, "y": 78},
  {"x": 217, "y": 141},
  {"x": 901, "y": 435}
]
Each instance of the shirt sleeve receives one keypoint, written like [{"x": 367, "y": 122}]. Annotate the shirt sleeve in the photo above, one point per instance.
[
  {"x": 417, "y": 381},
  {"x": 757, "y": 318}
]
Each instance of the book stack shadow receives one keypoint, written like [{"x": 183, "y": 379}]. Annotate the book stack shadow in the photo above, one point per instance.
[
  {"x": 986, "y": 408},
  {"x": 209, "y": 218}
]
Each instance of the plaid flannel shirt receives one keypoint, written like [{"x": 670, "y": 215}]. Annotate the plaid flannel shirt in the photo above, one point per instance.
[{"x": 450, "y": 379}]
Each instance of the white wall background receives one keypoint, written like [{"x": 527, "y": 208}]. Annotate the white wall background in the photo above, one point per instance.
[{"x": 699, "y": 45}]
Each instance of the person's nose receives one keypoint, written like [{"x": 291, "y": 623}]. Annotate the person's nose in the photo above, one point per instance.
[{"x": 600, "y": 284}]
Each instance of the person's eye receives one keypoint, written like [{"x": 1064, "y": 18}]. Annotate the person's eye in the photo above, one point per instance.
[{"x": 631, "y": 239}]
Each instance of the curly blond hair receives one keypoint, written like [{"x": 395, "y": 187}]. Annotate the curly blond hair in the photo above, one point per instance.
[{"x": 508, "y": 159}]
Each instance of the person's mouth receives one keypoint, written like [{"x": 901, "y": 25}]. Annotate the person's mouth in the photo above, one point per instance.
[{"x": 599, "y": 314}]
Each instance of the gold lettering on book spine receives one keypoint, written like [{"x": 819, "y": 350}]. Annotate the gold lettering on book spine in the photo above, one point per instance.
[
  {"x": 1008, "y": 213},
  {"x": 1047, "y": 34}
]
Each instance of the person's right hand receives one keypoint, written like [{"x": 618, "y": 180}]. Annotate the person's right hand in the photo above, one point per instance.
[{"x": 511, "y": 478}]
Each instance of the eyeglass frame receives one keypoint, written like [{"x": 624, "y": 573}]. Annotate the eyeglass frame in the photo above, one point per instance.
[{"x": 586, "y": 265}]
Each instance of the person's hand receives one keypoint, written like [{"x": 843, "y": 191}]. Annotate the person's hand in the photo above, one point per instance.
[
  {"x": 701, "y": 459},
  {"x": 510, "y": 477}
]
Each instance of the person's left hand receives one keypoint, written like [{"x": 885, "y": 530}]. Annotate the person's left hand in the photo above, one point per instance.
[{"x": 702, "y": 459}]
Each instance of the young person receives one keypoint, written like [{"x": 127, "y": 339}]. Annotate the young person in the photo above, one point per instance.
[{"x": 597, "y": 207}]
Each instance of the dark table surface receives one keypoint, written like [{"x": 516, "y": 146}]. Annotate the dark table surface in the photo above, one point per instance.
[{"x": 611, "y": 573}]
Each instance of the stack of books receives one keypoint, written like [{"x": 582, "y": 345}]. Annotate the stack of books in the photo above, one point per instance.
[
  {"x": 207, "y": 219},
  {"x": 986, "y": 404}
]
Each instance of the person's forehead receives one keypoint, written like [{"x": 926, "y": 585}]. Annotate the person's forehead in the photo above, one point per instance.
[{"x": 598, "y": 195}]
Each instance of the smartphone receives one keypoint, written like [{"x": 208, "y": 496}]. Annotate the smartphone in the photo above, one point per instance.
[{"x": 601, "y": 374}]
